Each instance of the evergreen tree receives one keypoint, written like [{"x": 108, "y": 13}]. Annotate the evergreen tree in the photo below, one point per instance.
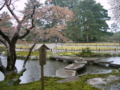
[
  {"x": 6, "y": 24},
  {"x": 90, "y": 19}
]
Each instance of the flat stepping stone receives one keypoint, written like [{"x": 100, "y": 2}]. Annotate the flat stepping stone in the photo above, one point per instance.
[
  {"x": 75, "y": 66},
  {"x": 63, "y": 73},
  {"x": 107, "y": 80},
  {"x": 94, "y": 81},
  {"x": 90, "y": 59},
  {"x": 67, "y": 58},
  {"x": 81, "y": 61},
  {"x": 70, "y": 79},
  {"x": 113, "y": 64},
  {"x": 102, "y": 62}
]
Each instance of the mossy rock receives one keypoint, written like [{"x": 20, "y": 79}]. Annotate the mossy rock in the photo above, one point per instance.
[
  {"x": 99, "y": 54},
  {"x": 12, "y": 79}
]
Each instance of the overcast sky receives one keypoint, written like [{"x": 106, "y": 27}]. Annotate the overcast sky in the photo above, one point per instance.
[
  {"x": 20, "y": 4},
  {"x": 104, "y": 3}
]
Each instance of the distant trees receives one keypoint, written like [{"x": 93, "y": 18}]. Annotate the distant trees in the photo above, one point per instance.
[
  {"x": 115, "y": 8},
  {"x": 55, "y": 18},
  {"x": 51, "y": 15},
  {"x": 84, "y": 19},
  {"x": 51, "y": 21},
  {"x": 115, "y": 37},
  {"x": 114, "y": 27},
  {"x": 6, "y": 23},
  {"x": 70, "y": 4},
  {"x": 90, "y": 21}
]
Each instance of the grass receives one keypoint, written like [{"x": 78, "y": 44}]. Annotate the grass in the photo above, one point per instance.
[
  {"x": 94, "y": 44},
  {"x": 34, "y": 53},
  {"x": 18, "y": 46},
  {"x": 52, "y": 84},
  {"x": 91, "y": 48}
]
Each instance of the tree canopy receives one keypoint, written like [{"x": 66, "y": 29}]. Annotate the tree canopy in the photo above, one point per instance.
[
  {"x": 115, "y": 8},
  {"x": 90, "y": 21},
  {"x": 9, "y": 41},
  {"x": 84, "y": 19}
]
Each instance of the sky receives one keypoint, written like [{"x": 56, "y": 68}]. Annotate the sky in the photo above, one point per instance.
[
  {"x": 104, "y": 3},
  {"x": 20, "y": 4}
]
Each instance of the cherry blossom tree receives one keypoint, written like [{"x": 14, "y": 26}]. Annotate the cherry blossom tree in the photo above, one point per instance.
[
  {"x": 10, "y": 71},
  {"x": 115, "y": 8},
  {"x": 54, "y": 20}
]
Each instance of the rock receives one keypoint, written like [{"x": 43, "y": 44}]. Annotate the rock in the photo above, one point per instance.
[
  {"x": 80, "y": 61},
  {"x": 33, "y": 57},
  {"x": 70, "y": 79},
  {"x": 75, "y": 66},
  {"x": 65, "y": 73},
  {"x": 113, "y": 64},
  {"x": 13, "y": 82},
  {"x": 3, "y": 53},
  {"x": 112, "y": 78},
  {"x": 95, "y": 81}
]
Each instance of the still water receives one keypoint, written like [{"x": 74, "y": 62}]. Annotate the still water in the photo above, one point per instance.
[{"x": 33, "y": 69}]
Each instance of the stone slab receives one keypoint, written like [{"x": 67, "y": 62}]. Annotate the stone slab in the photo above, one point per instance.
[
  {"x": 75, "y": 66},
  {"x": 65, "y": 73},
  {"x": 70, "y": 79}
]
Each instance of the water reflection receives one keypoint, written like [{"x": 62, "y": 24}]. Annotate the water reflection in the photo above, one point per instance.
[
  {"x": 33, "y": 68},
  {"x": 4, "y": 63},
  {"x": 93, "y": 69}
]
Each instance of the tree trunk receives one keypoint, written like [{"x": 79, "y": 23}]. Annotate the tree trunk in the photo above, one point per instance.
[
  {"x": 11, "y": 58},
  {"x": 12, "y": 76},
  {"x": 87, "y": 39}
]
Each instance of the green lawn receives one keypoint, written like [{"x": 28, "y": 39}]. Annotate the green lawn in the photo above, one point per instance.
[
  {"x": 91, "y": 48},
  {"x": 34, "y": 53},
  {"x": 94, "y": 44},
  {"x": 52, "y": 84}
]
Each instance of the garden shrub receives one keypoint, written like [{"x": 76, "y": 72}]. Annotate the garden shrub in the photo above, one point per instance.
[
  {"x": 107, "y": 55},
  {"x": 85, "y": 52}
]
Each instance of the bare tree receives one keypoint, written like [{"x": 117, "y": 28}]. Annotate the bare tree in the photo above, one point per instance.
[
  {"x": 10, "y": 41},
  {"x": 115, "y": 8}
]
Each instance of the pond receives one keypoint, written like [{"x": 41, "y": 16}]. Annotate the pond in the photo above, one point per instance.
[{"x": 33, "y": 68}]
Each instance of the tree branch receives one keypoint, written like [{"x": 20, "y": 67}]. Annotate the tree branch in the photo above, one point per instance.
[
  {"x": 13, "y": 14},
  {"x": 22, "y": 36},
  {"x": 4, "y": 36},
  {"x": 32, "y": 19},
  {"x": 20, "y": 73},
  {"x": 1, "y": 40},
  {"x": 3, "y": 5},
  {"x": 29, "y": 54}
]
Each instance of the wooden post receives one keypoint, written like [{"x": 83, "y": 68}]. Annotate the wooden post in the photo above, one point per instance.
[
  {"x": 42, "y": 62},
  {"x": 42, "y": 77}
]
